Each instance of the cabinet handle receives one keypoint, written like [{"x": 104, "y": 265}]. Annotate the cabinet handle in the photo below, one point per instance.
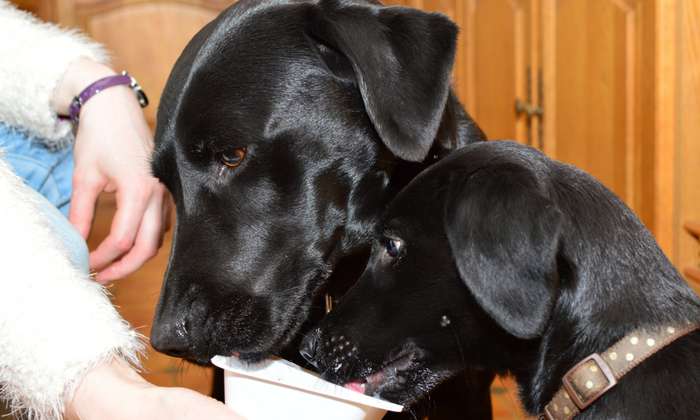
[{"x": 522, "y": 107}]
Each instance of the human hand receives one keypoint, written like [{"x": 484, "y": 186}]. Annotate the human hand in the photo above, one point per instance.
[
  {"x": 112, "y": 150},
  {"x": 114, "y": 391}
]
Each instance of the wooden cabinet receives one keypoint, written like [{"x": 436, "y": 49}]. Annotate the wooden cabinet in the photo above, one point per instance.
[
  {"x": 597, "y": 65},
  {"x": 570, "y": 77},
  {"x": 611, "y": 86},
  {"x": 497, "y": 67},
  {"x": 565, "y": 76}
]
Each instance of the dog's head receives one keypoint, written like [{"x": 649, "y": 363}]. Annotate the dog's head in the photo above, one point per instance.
[
  {"x": 465, "y": 269},
  {"x": 278, "y": 134}
]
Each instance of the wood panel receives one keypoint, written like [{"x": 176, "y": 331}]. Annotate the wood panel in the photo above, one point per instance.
[
  {"x": 493, "y": 74},
  {"x": 593, "y": 66},
  {"x": 687, "y": 167},
  {"x": 665, "y": 127},
  {"x": 124, "y": 25}
]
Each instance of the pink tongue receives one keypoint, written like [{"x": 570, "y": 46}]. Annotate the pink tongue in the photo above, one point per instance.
[{"x": 356, "y": 386}]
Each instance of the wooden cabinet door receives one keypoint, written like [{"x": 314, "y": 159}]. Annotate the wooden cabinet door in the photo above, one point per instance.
[
  {"x": 145, "y": 37},
  {"x": 686, "y": 165},
  {"x": 496, "y": 53},
  {"x": 597, "y": 59},
  {"x": 493, "y": 59}
]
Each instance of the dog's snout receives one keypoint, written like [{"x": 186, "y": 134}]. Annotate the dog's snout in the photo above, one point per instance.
[
  {"x": 170, "y": 338},
  {"x": 309, "y": 346}
]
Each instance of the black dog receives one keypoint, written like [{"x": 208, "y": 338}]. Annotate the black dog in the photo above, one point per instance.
[
  {"x": 283, "y": 131},
  {"x": 501, "y": 258}
]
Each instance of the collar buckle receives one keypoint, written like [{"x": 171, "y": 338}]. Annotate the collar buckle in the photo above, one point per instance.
[{"x": 588, "y": 380}]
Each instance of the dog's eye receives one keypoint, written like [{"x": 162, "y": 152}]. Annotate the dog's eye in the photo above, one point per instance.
[
  {"x": 393, "y": 247},
  {"x": 233, "y": 158}
]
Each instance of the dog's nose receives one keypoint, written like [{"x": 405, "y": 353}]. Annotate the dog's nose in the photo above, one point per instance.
[
  {"x": 309, "y": 346},
  {"x": 170, "y": 338}
]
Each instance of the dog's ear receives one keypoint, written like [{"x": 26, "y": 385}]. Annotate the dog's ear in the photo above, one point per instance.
[
  {"x": 401, "y": 59},
  {"x": 504, "y": 236}
]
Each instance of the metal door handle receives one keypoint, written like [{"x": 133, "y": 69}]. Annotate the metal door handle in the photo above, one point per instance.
[{"x": 522, "y": 107}]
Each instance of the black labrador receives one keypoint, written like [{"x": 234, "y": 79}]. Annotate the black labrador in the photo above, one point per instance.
[
  {"x": 284, "y": 129},
  {"x": 501, "y": 258}
]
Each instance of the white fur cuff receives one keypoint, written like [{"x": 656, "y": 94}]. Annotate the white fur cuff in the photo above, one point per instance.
[
  {"x": 55, "y": 322},
  {"x": 35, "y": 55}
]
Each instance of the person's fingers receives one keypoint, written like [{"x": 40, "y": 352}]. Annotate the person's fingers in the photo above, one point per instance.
[
  {"x": 132, "y": 199},
  {"x": 146, "y": 245},
  {"x": 83, "y": 200}
]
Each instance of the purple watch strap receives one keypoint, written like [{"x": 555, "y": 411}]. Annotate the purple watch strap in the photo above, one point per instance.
[{"x": 100, "y": 85}]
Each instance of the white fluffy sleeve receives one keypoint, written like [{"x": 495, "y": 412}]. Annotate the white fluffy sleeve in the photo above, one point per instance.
[
  {"x": 33, "y": 58},
  {"x": 55, "y": 323}
]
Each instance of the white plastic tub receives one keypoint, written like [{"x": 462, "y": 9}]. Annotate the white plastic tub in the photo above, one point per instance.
[{"x": 279, "y": 390}]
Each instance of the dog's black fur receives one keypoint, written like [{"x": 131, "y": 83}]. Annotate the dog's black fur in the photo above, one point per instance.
[
  {"x": 516, "y": 263},
  {"x": 338, "y": 103}
]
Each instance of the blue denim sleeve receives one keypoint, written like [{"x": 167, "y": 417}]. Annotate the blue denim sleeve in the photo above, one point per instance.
[{"x": 49, "y": 173}]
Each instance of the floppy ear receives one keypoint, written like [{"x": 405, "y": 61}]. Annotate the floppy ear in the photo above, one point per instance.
[
  {"x": 504, "y": 236},
  {"x": 401, "y": 59}
]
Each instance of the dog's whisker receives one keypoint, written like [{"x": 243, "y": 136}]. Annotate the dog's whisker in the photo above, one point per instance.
[
  {"x": 413, "y": 412},
  {"x": 459, "y": 345}
]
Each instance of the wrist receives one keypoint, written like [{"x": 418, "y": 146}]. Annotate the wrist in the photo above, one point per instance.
[
  {"x": 79, "y": 74},
  {"x": 103, "y": 389}
]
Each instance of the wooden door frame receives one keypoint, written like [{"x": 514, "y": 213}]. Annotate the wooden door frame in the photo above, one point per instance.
[{"x": 666, "y": 125}]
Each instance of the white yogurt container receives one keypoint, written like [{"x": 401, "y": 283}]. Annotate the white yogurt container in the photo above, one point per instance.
[{"x": 280, "y": 390}]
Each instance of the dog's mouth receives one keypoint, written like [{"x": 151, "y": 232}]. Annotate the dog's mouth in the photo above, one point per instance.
[
  {"x": 275, "y": 350},
  {"x": 281, "y": 346},
  {"x": 251, "y": 357},
  {"x": 391, "y": 373}
]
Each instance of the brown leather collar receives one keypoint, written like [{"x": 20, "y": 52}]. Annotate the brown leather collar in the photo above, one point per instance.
[{"x": 596, "y": 374}]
